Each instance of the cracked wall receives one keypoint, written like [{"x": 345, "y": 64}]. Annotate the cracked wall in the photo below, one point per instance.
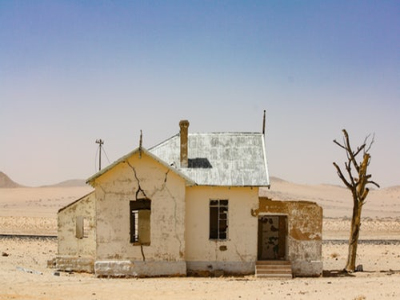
[{"x": 141, "y": 177}]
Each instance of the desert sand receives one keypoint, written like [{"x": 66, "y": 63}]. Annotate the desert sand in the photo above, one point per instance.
[{"x": 32, "y": 211}]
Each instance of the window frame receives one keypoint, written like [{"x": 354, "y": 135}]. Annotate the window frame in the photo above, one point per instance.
[
  {"x": 218, "y": 219},
  {"x": 135, "y": 206}
]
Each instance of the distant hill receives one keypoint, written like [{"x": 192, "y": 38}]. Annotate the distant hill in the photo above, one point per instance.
[
  {"x": 6, "y": 182},
  {"x": 276, "y": 179},
  {"x": 69, "y": 183}
]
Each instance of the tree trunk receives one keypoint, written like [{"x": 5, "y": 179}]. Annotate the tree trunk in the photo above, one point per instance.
[{"x": 354, "y": 233}]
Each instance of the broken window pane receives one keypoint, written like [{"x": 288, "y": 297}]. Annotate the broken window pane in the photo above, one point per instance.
[{"x": 218, "y": 219}]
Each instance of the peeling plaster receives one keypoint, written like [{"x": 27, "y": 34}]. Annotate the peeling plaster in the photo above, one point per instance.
[
  {"x": 305, "y": 218},
  {"x": 305, "y": 233}
]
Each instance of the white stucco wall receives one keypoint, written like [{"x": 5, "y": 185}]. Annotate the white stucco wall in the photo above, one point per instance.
[
  {"x": 166, "y": 190},
  {"x": 238, "y": 253},
  {"x": 77, "y": 253},
  {"x": 68, "y": 243}
]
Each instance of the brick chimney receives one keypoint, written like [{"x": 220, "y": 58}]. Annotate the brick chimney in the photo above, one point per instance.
[{"x": 184, "y": 125}]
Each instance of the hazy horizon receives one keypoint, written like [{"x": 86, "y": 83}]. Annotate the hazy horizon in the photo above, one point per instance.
[{"x": 72, "y": 72}]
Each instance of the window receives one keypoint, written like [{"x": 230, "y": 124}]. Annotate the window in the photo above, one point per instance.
[
  {"x": 140, "y": 221},
  {"x": 218, "y": 219},
  {"x": 82, "y": 227}
]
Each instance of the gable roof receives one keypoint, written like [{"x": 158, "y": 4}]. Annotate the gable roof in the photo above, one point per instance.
[
  {"x": 91, "y": 179},
  {"x": 219, "y": 159}
]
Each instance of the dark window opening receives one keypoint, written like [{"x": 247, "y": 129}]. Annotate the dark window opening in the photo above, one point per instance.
[
  {"x": 218, "y": 219},
  {"x": 140, "y": 211},
  {"x": 82, "y": 227}
]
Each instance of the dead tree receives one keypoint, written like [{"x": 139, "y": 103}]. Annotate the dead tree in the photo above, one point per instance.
[{"x": 358, "y": 187}]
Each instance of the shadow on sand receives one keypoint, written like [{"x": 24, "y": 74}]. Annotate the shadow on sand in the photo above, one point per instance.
[{"x": 336, "y": 273}]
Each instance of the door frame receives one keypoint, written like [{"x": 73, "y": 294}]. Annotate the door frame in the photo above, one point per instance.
[{"x": 286, "y": 233}]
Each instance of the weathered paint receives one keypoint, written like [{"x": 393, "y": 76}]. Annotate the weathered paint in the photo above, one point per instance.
[
  {"x": 304, "y": 233},
  {"x": 179, "y": 227},
  {"x": 236, "y": 254},
  {"x": 74, "y": 263},
  {"x": 128, "y": 268},
  {"x": 226, "y": 158},
  {"x": 77, "y": 254},
  {"x": 139, "y": 177}
]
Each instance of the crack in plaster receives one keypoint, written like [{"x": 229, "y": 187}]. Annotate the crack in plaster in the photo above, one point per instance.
[
  {"x": 156, "y": 190},
  {"x": 238, "y": 253},
  {"x": 141, "y": 250},
  {"x": 162, "y": 188},
  {"x": 139, "y": 189},
  {"x": 138, "y": 183}
]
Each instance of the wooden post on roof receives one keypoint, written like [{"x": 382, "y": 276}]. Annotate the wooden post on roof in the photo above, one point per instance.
[{"x": 263, "y": 128}]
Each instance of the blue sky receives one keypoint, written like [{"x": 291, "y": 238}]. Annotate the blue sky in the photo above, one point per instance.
[{"x": 75, "y": 71}]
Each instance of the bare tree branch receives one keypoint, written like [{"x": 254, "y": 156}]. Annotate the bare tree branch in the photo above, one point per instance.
[
  {"x": 340, "y": 145},
  {"x": 359, "y": 150},
  {"x": 374, "y": 183},
  {"x": 340, "y": 174},
  {"x": 370, "y": 144},
  {"x": 350, "y": 151}
]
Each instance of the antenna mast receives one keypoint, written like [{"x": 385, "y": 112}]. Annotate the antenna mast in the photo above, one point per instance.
[{"x": 100, "y": 142}]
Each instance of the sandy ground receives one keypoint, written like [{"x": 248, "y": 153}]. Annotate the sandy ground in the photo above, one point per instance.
[
  {"x": 379, "y": 280},
  {"x": 24, "y": 273}
]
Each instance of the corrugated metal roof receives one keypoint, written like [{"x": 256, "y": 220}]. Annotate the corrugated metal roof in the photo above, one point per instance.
[{"x": 219, "y": 159}]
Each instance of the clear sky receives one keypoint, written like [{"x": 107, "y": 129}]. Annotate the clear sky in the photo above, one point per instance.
[{"x": 72, "y": 72}]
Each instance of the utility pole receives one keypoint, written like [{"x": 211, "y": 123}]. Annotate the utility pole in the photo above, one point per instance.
[{"x": 100, "y": 142}]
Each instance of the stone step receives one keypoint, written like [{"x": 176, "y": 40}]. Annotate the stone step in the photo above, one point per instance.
[
  {"x": 273, "y": 269},
  {"x": 284, "y": 276},
  {"x": 273, "y": 262}
]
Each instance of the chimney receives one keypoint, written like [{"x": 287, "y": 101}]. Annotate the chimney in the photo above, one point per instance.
[{"x": 184, "y": 125}]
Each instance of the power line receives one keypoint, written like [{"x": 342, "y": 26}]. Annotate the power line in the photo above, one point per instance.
[{"x": 104, "y": 150}]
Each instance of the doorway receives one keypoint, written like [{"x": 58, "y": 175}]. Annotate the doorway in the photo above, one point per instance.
[{"x": 272, "y": 236}]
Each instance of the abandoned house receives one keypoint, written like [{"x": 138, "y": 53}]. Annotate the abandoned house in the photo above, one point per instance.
[{"x": 189, "y": 206}]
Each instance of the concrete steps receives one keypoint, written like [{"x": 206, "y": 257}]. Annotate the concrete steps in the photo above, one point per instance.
[{"x": 273, "y": 269}]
